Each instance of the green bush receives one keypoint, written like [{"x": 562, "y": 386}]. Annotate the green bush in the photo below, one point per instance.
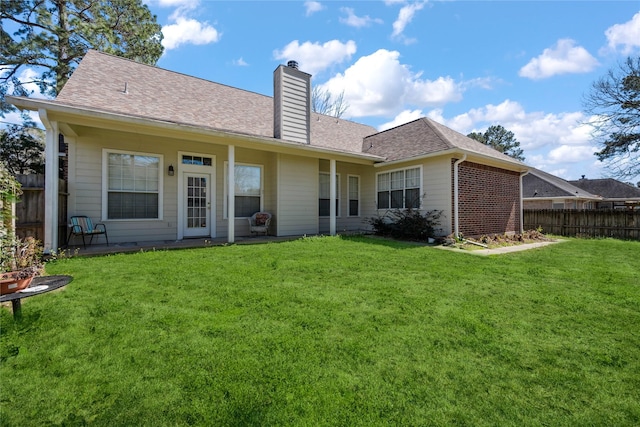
[{"x": 407, "y": 224}]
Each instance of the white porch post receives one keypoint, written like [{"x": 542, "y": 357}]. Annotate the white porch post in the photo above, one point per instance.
[
  {"x": 51, "y": 183},
  {"x": 332, "y": 197},
  {"x": 231, "y": 191}
]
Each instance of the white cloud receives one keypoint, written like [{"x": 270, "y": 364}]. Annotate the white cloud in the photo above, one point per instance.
[
  {"x": 626, "y": 35},
  {"x": 433, "y": 92},
  {"x": 190, "y": 4},
  {"x": 556, "y": 143},
  {"x": 357, "y": 21},
  {"x": 26, "y": 77},
  {"x": 571, "y": 154},
  {"x": 316, "y": 57},
  {"x": 188, "y": 31},
  {"x": 240, "y": 62},
  {"x": 15, "y": 117},
  {"x": 379, "y": 85},
  {"x": 563, "y": 58},
  {"x": 312, "y": 7},
  {"x": 405, "y": 16},
  {"x": 534, "y": 130},
  {"x": 405, "y": 116}
]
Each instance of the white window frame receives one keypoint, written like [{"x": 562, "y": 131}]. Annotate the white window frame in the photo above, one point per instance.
[
  {"x": 390, "y": 172},
  {"x": 349, "y": 195},
  {"x": 226, "y": 187},
  {"x": 337, "y": 195},
  {"x": 105, "y": 183}
]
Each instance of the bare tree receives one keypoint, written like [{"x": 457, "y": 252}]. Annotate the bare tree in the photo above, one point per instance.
[
  {"x": 323, "y": 102},
  {"x": 614, "y": 106}
]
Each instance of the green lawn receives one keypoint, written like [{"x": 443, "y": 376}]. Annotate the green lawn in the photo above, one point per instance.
[{"x": 331, "y": 331}]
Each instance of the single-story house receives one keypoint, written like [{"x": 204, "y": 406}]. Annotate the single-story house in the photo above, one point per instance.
[
  {"x": 614, "y": 194},
  {"x": 159, "y": 155},
  {"x": 542, "y": 190}
]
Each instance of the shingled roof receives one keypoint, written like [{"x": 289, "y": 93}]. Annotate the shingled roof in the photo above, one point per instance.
[
  {"x": 108, "y": 84},
  {"x": 422, "y": 137},
  {"x": 112, "y": 84},
  {"x": 540, "y": 184},
  {"x": 609, "y": 188}
]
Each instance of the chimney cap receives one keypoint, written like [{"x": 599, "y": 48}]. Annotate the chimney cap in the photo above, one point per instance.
[{"x": 293, "y": 64}]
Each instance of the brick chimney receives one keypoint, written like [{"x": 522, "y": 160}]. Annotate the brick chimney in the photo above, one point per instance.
[{"x": 292, "y": 103}]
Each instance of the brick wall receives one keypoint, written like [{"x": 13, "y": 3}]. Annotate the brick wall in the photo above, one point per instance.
[{"x": 489, "y": 200}]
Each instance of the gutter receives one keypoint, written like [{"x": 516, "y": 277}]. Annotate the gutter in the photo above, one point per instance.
[
  {"x": 512, "y": 166},
  {"x": 456, "y": 225},
  {"x": 52, "y": 106}
]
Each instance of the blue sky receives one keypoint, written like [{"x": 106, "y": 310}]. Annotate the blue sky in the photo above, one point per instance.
[{"x": 525, "y": 65}]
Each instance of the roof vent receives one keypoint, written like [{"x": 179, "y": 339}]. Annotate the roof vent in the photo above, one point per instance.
[{"x": 293, "y": 64}]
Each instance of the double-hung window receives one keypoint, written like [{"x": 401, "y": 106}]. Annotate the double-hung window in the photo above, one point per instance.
[
  {"x": 248, "y": 190},
  {"x": 133, "y": 182},
  {"x": 324, "y": 202},
  {"x": 399, "y": 189},
  {"x": 354, "y": 195}
]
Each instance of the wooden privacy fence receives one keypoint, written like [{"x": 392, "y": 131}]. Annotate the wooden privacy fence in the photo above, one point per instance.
[
  {"x": 619, "y": 224},
  {"x": 30, "y": 208}
]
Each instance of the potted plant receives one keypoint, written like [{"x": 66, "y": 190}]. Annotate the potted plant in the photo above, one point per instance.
[{"x": 20, "y": 260}]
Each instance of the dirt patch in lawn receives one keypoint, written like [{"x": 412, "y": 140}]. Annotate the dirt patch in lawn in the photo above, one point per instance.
[{"x": 499, "y": 243}]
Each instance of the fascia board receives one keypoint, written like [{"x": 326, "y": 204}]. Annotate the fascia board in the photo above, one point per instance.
[
  {"x": 66, "y": 112},
  {"x": 471, "y": 156}
]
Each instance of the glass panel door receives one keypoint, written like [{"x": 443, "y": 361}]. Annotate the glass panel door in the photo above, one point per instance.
[{"x": 197, "y": 205}]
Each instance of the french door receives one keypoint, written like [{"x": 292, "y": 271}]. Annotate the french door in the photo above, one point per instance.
[{"x": 197, "y": 204}]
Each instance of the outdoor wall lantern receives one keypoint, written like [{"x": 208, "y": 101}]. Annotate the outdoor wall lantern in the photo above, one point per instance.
[{"x": 171, "y": 171}]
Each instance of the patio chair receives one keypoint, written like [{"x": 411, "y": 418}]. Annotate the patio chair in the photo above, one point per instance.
[
  {"x": 81, "y": 225},
  {"x": 259, "y": 223}
]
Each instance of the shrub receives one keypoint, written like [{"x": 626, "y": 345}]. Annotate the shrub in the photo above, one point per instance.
[{"x": 407, "y": 224}]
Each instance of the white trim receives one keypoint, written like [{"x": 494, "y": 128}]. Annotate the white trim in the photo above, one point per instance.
[
  {"x": 51, "y": 183},
  {"x": 490, "y": 160},
  {"x": 390, "y": 171},
  {"x": 180, "y": 170},
  {"x": 349, "y": 197},
  {"x": 456, "y": 195},
  {"x": 105, "y": 184},
  {"x": 230, "y": 176},
  {"x": 123, "y": 119},
  {"x": 225, "y": 214},
  {"x": 522, "y": 174},
  {"x": 333, "y": 194}
]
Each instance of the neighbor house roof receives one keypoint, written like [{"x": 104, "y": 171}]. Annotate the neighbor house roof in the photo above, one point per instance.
[
  {"x": 422, "y": 137},
  {"x": 542, "y": 185},
  {"x": 609, "y": 188}
]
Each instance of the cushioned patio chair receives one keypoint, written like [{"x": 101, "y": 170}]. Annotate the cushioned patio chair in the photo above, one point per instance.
[
  {"x": 81, "y": 225},
  {"x": 259, "y": 223}
]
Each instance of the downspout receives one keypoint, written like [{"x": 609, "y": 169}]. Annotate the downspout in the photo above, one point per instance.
[
  {"x": 456, "y": 226},
  {"x": 521, "y": 204}
]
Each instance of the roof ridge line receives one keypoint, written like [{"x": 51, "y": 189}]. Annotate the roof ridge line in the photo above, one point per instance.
[
  {"x": 428, "y": 123},
  {"x": 173, "y": 72}
]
